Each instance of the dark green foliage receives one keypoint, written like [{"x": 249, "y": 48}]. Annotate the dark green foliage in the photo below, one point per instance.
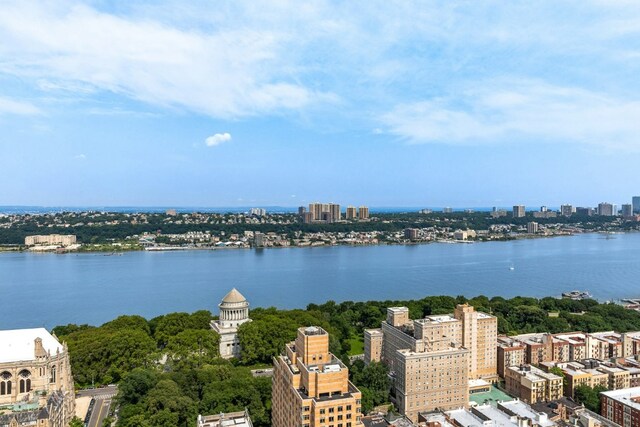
[
  {"x": 136, "y": 385},
  {"x": 194, "y": 346},
  {"x": 128, "y": 322},
  {"x": 76, "y": 422},
  {"x": 66, "y": 330},
  {"x": 373, "y": 381},
  {"x": 589, "y": 397},
  {"x": 271, "y": 329},
  {"x": 103, "y": 355},
  {"x": 164, "y": 327}
]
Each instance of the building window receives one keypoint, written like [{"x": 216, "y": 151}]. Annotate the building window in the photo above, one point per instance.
[
  {"x": 330, "y": 419},
  {"x": 5, "y": 383},
  {"x": 25, "y": 381},
  {"x": 331, "y": 410},
  {"x": 53, "y": 374}
]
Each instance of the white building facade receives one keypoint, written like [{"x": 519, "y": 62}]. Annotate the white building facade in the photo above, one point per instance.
[{"x": 234, "y": 311}]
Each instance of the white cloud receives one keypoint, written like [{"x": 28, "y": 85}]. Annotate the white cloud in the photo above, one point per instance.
[
  {"x": 525, "y": 110},
  {"x": 10, "y": 106},
  {"x": 217, "y": 139},
  {"x": 245, "y": 58},
  {"x": 222, "y": 73},
  {"x": 80, "y": 157}
]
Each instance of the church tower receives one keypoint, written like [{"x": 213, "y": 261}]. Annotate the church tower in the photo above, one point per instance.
[{"x": 234, "y": 311}]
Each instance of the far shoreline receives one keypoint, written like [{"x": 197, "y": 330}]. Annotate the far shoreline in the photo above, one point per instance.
[{"x": 119, "y": 251}]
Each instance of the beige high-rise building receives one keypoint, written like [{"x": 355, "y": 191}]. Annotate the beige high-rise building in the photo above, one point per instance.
[
  {"x": 334, "y": 209},
  {"x": 606, "y": 209},
  {"x": 311, "y": 386},
  {"x": 351, "y": 212},
  {"x": 373, "y": 339},
  {"x": 432, "y": 359},
  {"x": 363, "y": 212},
  {"x": 480, "y": 336},
  {"x": 519, "y": 211},
  {"x": 316, "y": 211}
]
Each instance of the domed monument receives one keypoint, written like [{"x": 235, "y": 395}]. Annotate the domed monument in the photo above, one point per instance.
[{"x": 234, "y": 311}]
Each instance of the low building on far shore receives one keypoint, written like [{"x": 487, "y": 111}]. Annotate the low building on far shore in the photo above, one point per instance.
[{"x": 51, "y": 240}]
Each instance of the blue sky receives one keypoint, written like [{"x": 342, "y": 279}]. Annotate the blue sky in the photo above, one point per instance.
[{"x": 236, "y": 103}]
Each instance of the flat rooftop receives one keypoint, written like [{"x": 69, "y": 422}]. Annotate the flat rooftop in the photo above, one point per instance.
[
  {"x": 499, "y": 418},
  {"x": 232, "y": 419},
  {"x": 409, "y": 353},
  {"x": 525, "y": 411},
  {"x": 626, "y": 396},
  {"x": 535, "y": 374},
  {"x": 313, "y": 330},
  {"x": 436, "y": 417},
  {"x": 464, "y": 418},
  {"x": 491, "y": 397},
  {"x": 442, "y": 318}
]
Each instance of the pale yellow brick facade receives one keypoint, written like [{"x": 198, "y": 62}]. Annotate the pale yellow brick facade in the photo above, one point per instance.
[{"x": 311, "y": 386}]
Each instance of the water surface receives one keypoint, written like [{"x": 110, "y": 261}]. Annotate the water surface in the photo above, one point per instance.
[{"x": 49, "y": 289}]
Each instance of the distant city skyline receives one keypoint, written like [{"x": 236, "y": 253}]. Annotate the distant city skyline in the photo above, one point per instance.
[
  {"x": 415, "y": 104},
  {"x": 251, "y": 209}
]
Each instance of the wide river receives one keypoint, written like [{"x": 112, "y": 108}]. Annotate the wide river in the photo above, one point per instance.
[{"x": 49, "y": 290}]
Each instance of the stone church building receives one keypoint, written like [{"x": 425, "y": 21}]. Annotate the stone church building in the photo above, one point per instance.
[{"x": 36, "y": 385}]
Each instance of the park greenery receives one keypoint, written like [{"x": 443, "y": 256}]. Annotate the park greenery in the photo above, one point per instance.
[{"x": 168, "y": 368}]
